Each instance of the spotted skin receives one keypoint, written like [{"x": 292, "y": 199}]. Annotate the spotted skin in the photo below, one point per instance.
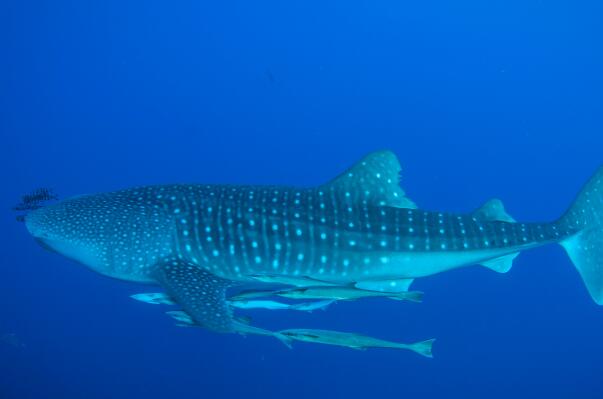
[
  {"x": 200, "y": 293},
  {"x": 234, "y": 232},
  {"x": 359, "y": 227}
]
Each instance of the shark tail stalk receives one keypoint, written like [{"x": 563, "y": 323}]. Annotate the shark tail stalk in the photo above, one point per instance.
[{"x": 585, "y": 248}]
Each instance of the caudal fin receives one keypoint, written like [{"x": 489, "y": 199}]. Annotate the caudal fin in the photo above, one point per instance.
[{"x": 585, "y": 247}]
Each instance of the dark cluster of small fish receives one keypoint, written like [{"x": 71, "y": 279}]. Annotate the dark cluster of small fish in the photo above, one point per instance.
[{"x": 34, "y": 200}]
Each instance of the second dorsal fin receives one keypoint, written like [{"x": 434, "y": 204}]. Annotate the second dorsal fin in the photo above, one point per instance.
[
  {"x": 374, "y": 179},
  {"x": 493, "y": 210}
]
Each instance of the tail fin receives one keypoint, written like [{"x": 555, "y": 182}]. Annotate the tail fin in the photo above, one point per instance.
[
  {"x": 585, "y": 247},
  {"x": 423, "y": 348}
]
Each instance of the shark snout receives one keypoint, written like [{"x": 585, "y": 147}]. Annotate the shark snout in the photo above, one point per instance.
[
  {"x": 32, "y": 224},
  {"x": 49, "y": 226},
  {"x": 39, "y": 229},
  {"x": 55, "y": 229},
  {"x": 37, "y": 224}
]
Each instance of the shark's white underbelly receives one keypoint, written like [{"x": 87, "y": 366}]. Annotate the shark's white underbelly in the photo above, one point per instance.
[{"x": 410, "y": 265}]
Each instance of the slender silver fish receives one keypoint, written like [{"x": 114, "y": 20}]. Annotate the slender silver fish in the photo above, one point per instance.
[
  {"x": 274, "y": 305},
  {"x": 241, "y": 326},
  {"x": 159, "y": 298},
  {"x": 286, "y": 280},
  {"x": 355, "y": 341},
  {"x": 329, "y": 292},
  {"x": 154, "y": 298}
]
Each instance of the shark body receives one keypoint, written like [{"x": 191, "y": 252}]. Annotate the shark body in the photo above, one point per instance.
[{"x": 360, "y": 230}]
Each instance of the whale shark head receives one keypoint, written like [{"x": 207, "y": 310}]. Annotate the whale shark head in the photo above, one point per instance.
[
  {"x": 61, "y": 228},
  {"x": 121, "y": 234}
]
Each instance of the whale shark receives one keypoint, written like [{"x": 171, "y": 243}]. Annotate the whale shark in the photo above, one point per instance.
[{"x": 359, "y": 230}]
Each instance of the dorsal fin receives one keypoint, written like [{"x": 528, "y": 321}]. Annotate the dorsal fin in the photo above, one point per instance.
[
  {"x": 374, "y": 179},
  {"x": 493, "y": 210}
]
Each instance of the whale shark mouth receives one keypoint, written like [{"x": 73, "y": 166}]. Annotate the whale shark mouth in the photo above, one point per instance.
[
  {"x": 42, "y": 242},
  {"x": 70, "y": 249}
]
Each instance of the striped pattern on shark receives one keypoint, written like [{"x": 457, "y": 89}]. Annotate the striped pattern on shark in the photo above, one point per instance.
[{"x": 358, "y": 230}]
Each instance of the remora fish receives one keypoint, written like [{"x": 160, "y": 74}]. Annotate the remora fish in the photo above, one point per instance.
[
  {"x": 288, "y": 280},
  {"x": 274, "y": 305},
  {"x": 159, "y": 298},
  {"x": 329, "y": 292},
  {"x": 197, "y": 240},
  {"x": 154, "y": 298},
  {"x": 354, "y": 341},
  {"x": 239, "y": 326}
]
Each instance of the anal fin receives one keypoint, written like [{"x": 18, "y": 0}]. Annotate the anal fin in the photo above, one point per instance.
[{"x": 200, "y": 293}]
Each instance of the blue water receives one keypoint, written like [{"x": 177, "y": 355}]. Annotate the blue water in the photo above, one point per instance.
[{"x": 478, "y": 99}]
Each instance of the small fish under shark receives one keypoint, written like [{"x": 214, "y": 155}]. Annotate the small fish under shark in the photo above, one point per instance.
[
  {"x": 354, "y": 341},
  {"x": 359, "y": 231},
  {"x": 159, "y": 298},
  {"x": 274, "y": 305},
  {"x": 350, "y": 340},
  {"x": 326, "y": 337},
  {"x": 328, "y": 292}
]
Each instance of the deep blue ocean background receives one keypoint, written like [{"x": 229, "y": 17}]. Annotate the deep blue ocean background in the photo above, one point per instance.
[{"x": 478, "y": 99}]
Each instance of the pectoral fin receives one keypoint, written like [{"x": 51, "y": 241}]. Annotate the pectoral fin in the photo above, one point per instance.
[{"x": 200, "y": 293}]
